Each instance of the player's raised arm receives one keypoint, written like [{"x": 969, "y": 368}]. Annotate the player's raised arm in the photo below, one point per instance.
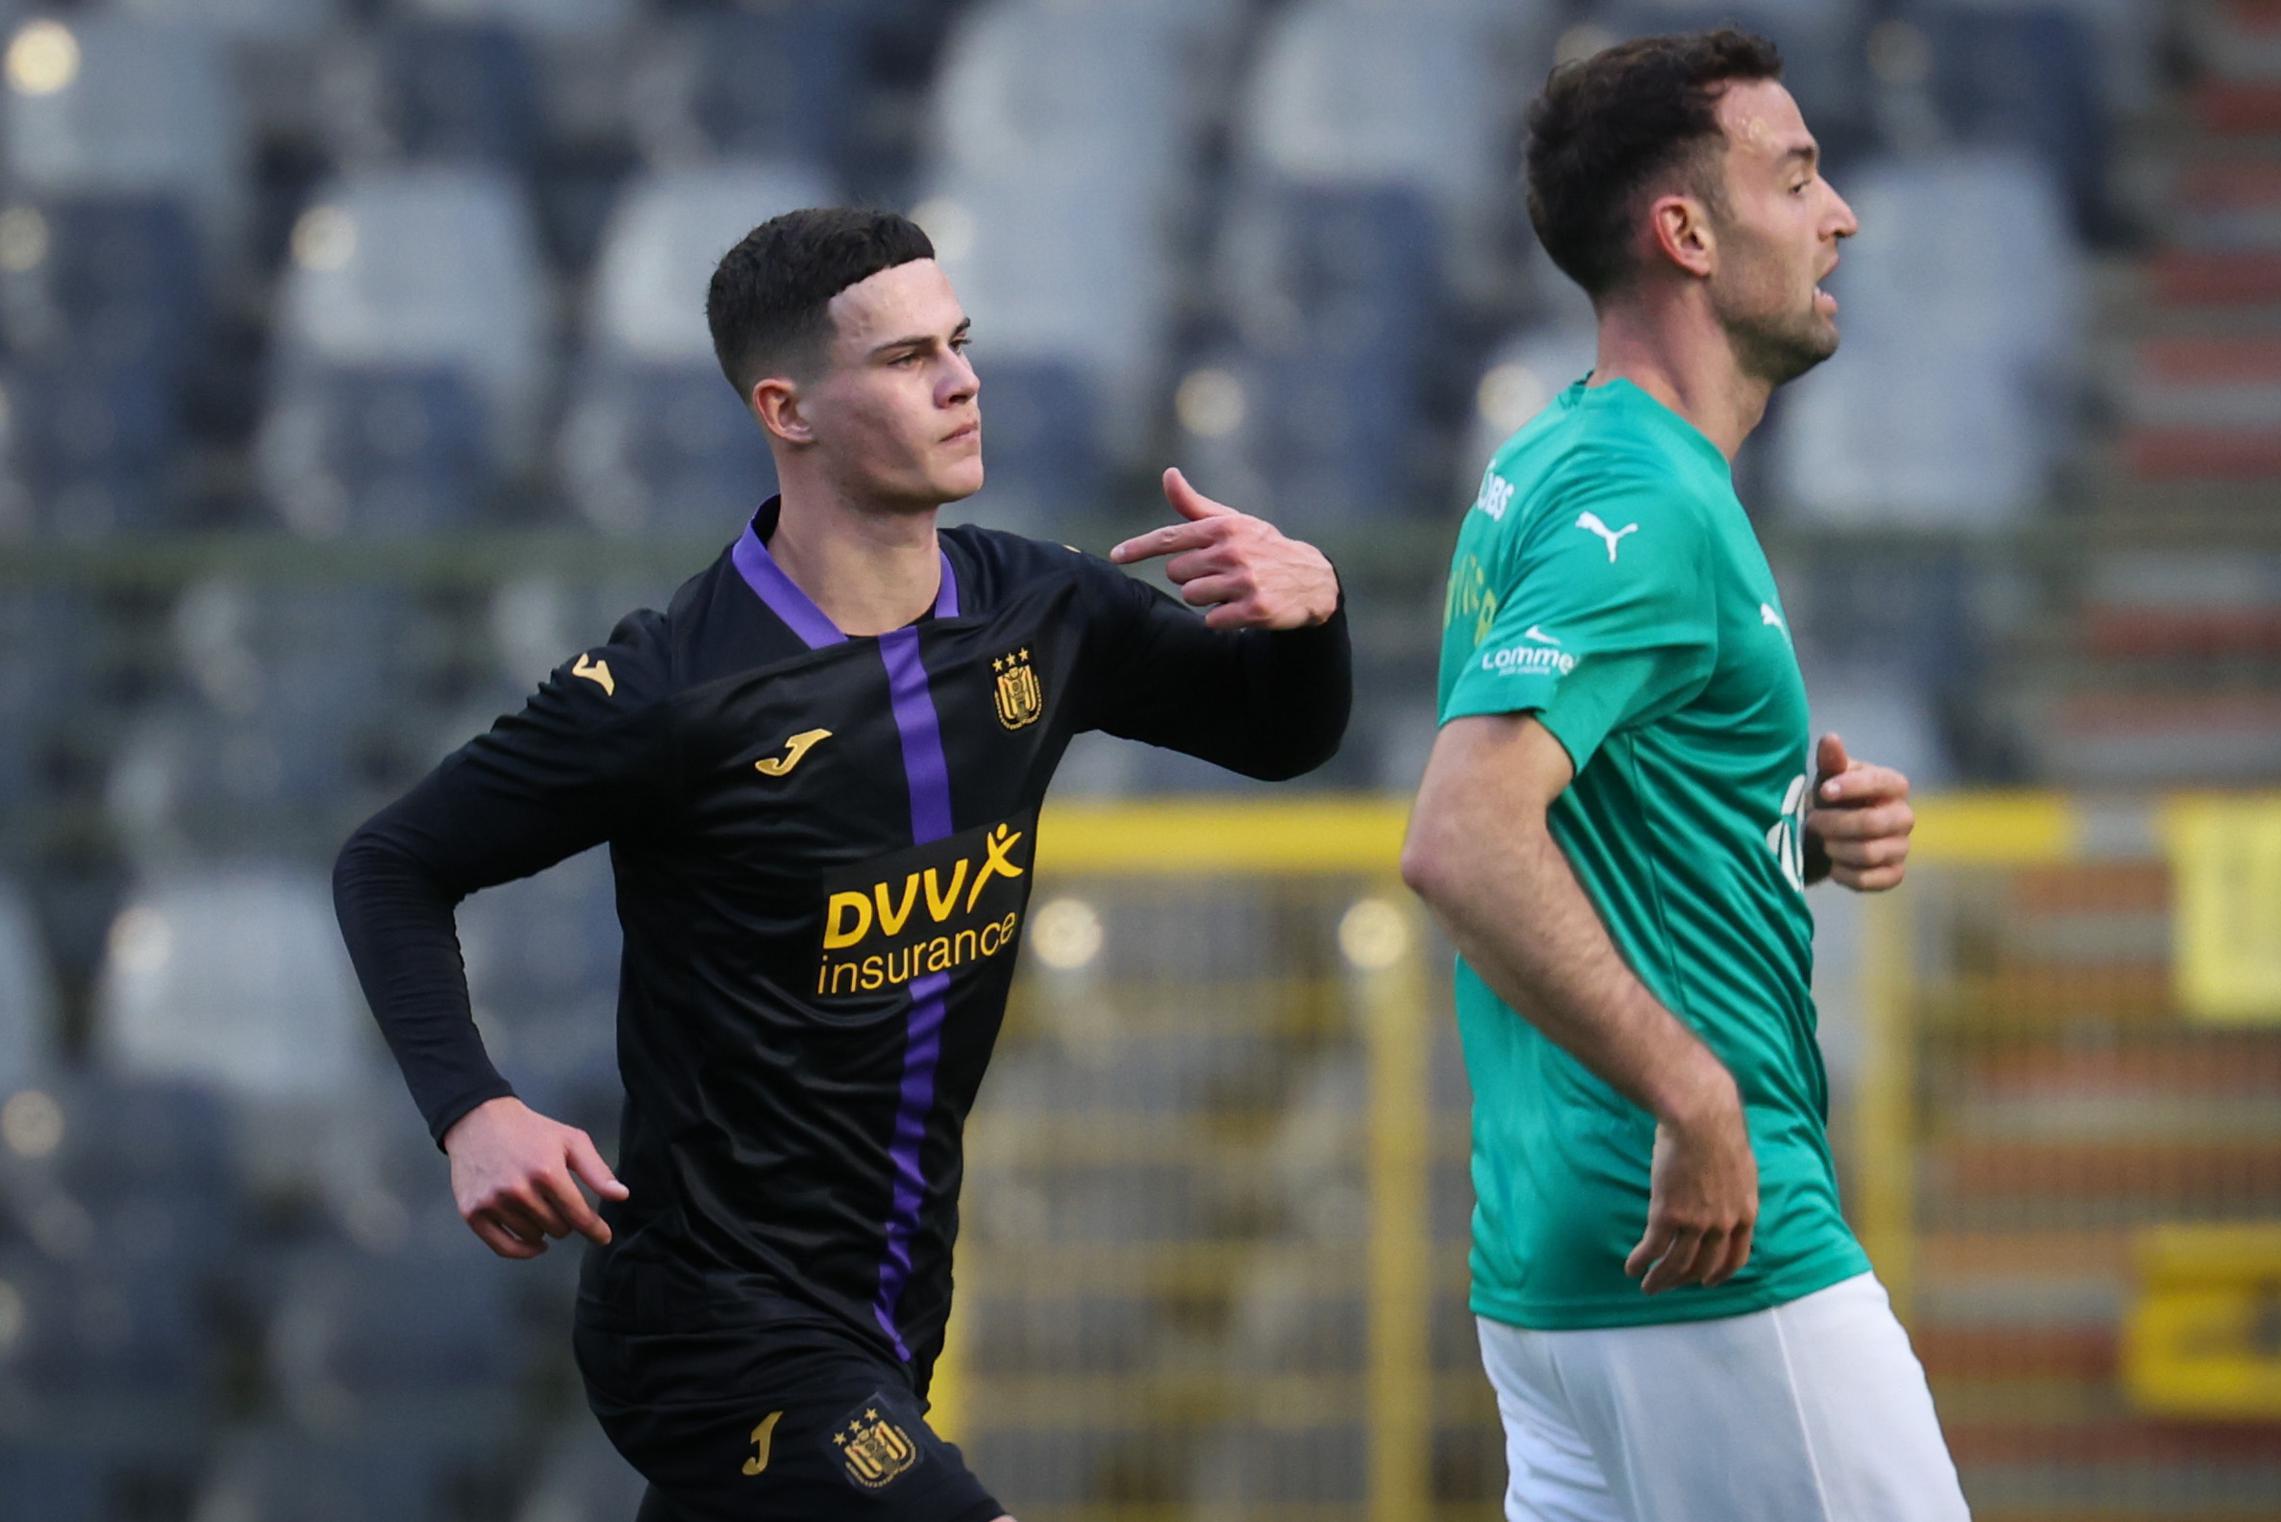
[
  {"x": 1263, "y": 682},
  {"x": 583, "y": 761}
]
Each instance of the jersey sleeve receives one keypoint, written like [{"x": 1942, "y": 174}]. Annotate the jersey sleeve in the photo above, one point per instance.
[
  {"x": 1270, "y": 704},
  {"x": 1603, "y": 617},
  {"x": 588, "y": 758}
]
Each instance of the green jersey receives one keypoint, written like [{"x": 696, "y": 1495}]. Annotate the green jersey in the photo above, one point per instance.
[{"x": 1608, "y": 581}]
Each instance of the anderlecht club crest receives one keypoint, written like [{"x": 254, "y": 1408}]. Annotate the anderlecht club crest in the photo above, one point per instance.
[
  {"x": 1021, "y": 702},
  {"x": 876, "y": 1450}
]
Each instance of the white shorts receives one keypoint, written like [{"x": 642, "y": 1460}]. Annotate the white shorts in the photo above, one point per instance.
[{"x": 1814, "y": 1411}]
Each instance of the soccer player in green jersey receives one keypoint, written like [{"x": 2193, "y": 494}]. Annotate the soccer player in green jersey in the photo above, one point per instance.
[{"x": 1618, "y": 824}]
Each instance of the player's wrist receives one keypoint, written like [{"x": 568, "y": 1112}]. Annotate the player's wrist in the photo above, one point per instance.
[
  {"x": 479, "y": 1119},
  {"x": 1700, "y": 1094}
]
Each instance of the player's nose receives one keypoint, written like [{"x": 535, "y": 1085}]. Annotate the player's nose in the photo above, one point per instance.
[
  {"x": 1845, "y": 223},
  {"x": 962, "y": 383}
]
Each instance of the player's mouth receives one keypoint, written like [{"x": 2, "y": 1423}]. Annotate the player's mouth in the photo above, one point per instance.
[
  {"x": 1823, "y": 300},
  {"x": 972, "y": 430}
]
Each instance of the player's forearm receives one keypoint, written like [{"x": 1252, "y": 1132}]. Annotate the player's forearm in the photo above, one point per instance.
[
  {"x": 1506, "y": 894},
  {"x": 1297, "y": 695},
  {"x": 397, "y": 921}
]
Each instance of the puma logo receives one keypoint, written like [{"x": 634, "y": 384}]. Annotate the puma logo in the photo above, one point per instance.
[{"x": 1591, "y": 522}]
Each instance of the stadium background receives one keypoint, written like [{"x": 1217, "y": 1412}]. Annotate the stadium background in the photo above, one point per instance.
[{"x": 353, "y": 374}]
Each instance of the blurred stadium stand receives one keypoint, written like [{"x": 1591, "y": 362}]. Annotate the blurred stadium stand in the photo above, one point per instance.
[{"x": 353, "y": 373}]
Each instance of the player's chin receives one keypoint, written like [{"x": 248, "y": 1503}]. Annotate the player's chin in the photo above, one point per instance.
[{"x": 957, "y": 479}]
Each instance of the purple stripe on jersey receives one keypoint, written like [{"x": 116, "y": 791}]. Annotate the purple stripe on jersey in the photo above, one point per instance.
[
  {"x": 928, "y": 776},
  {"x": 799, "y": 612},
  {"x": 921, "y": 1052},
  {"x": 923, "y": 765}
]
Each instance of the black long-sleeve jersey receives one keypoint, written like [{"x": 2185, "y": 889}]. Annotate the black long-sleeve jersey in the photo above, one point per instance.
[{"x": 822, "y": 849}]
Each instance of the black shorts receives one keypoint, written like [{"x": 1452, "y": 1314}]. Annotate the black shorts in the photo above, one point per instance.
[{"x": 772, "y": 1425}]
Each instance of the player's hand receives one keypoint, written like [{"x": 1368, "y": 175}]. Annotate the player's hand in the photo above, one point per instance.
[
  {"x": 1703, "y": 1198},
  {"x": 515, "y": 1177},
  {"x": 1240, "y": 569},
  {"x": 1861, "y": 819}
]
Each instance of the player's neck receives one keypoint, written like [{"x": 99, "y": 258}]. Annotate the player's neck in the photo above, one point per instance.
[
  {"x": 868, "y": 569},
  {"x": 1677, "y": 353}
]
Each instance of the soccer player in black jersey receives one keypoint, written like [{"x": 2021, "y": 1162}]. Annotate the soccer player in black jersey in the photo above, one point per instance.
[{"x": 818, "y": 772}]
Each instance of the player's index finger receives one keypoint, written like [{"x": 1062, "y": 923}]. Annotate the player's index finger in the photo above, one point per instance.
[
  {"x": 1863, "y": 784},
  {"x": 1162, "y": 541},
  {"x": 579, "y": 1215},
  {"x": 595, "y": 1173}
]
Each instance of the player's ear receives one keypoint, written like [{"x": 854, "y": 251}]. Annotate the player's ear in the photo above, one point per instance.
[
  {"x": 1681, "y": 227},
  {"x": 776, "y": 402}
]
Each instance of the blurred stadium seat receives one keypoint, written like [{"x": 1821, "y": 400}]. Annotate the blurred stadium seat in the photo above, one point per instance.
[
  {"x": 366, "y": 289},
  {"x": 110, "y": 280},
  {"x": 1041, "y": 437},
  {"x": 665, "y": 235},
  {"x": 1070, "y": 271},
  {"x": 1332, "y": 269},
  {"x": 376, "y": 451},
  {"x": 454, "y": 91},
  {"x": 1285, "y": 431},
  {"x": 1522, "y": 376},
  {"x": 773, "y": 83},
  {"x": 654, "y": 437},
  {"x": 1958, "y": 394},
  {"x": 27, "y": 991},
  {"x": 112, "y": 106},
  {"x": 43, "y": 1483},
  {"x": 93, "y": 445},
  {"x": 1060, "y": 89},
  {"x": 234, "y": 976},
  {"x": 51, "y": 692},
  {"x": 2025, "y": 76},
  {"x": 265, "y": 714},
  {"x": 421, "y": 1344},
  {"x": 272, "y": 1473},
  {"x": 542, "y": 966},
  {"x": 580, "y": 1478},
  {"x": 104, "y": 1354},
  {"x": 1363, "y": 92}
]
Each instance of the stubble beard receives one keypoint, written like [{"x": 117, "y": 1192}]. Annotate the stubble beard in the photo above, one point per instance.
[{"x": 1776, "y": 347}]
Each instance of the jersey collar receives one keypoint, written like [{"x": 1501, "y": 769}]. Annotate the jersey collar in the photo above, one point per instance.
[{"x": 783, "y": 595}]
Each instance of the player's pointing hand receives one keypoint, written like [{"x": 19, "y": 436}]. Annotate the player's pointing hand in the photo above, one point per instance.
[
  {"x": 515, "y": 1176},
  {"x": 1240, "y": 569}
]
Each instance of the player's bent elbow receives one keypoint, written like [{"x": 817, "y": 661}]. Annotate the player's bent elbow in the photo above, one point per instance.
[
  {"x": 1426, "y": 865},
  {"x": 353, "y": 867}
]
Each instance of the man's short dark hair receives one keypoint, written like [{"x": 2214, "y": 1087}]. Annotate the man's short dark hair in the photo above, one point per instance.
[
  {"x": 766, "y": 304},
  {"x": 1608, "y": 126}
]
